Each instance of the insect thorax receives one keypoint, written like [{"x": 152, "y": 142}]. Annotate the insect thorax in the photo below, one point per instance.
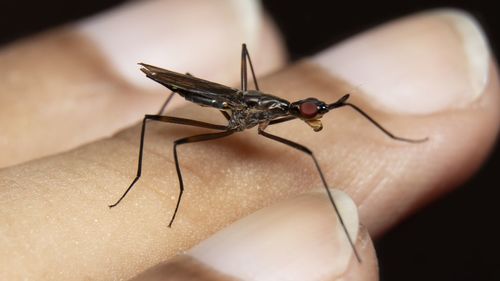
[{"x": 259, "y": 108}]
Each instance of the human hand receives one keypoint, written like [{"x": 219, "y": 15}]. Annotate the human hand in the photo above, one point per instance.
[{"x": 396, "y": 178}]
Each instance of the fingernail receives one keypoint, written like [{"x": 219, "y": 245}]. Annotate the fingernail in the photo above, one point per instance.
[
  {"x": 169, "y": 34},
  {"x": 419, "y": 64},
  {"x": 299, "y": 239}
]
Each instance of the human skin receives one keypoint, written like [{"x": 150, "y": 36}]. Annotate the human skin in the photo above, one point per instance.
[{"x": 54, "y": 210}]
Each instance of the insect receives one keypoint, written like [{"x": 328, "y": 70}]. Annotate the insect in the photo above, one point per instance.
[{"x": 243, "y": 109}]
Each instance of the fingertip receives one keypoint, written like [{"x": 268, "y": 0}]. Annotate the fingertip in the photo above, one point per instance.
[
  {"x": 169, "y": 33},
  {"x": 367, "y": 269},
  {"x": 431, "y": 61},
  {"x": 299, "y": 239}
]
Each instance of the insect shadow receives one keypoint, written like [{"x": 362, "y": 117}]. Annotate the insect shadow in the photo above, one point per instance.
[{"x": 243, "y": 109}]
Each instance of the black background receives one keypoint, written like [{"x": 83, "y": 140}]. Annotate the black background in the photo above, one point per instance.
[{"x": 455, "y": 238}]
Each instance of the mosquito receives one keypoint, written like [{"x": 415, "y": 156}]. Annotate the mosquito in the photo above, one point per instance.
[{"x": 243, "y": 109}]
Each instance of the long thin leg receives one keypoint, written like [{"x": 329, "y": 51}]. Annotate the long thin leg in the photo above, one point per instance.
[
  {"x": 167, "y": 119},
  {"x": 226, "y": 115},
  {"x": 310, "y": 153},
  {"x": 282, "y": 120},
  {"x": 244, "y": 56},
  {"x": 169, "y": 98},
  {"x": 244, "y": 79},
  {"x": 192, "y": 139}
]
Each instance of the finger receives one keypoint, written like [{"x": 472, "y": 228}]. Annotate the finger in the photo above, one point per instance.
[
  {"x": 437, "y": 67},
  {"x": 81, "y": 82},
  {"x": 298, "y": 239}
]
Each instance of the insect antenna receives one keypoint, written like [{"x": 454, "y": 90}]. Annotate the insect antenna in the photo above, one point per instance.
[{"x": 342, "y": 102}]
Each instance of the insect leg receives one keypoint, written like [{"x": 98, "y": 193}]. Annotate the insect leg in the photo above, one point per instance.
[
  {"x": 281, "y": 120},
  {"x": 192, "y": 139},
  {"x": 310, "y": 153},
  {"x": 169, "y": 98},
  {"x": 226, "y": 115},
  {"x": 167, "y": 119},
  {"x": 244, "y": 56}
]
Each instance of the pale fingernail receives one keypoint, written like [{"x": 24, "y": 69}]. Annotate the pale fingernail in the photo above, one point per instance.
[
  {"x": 187, "y": 36},
  {"x": 419, "y": 64},
  {"x": 299, "y": 239}
]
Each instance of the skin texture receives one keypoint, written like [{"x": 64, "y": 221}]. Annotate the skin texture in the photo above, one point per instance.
[{"x": 56, "y": 225}]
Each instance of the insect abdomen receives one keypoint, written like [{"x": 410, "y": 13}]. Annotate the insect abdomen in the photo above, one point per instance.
[{"x": 203, "y": 100}]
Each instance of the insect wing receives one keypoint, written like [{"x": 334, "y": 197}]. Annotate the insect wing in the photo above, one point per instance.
[{"x": 186, "y": 84}]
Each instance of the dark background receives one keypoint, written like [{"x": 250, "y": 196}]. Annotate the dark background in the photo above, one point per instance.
[{"x": 454, "y": 238}]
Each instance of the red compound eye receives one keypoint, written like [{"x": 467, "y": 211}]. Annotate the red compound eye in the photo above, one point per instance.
[{"x": 308, "y": 110}]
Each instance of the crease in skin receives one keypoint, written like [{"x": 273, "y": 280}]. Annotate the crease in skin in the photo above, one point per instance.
[
  {"x": 105, "y": 165},
  {"x": 381, "y": 178}
]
